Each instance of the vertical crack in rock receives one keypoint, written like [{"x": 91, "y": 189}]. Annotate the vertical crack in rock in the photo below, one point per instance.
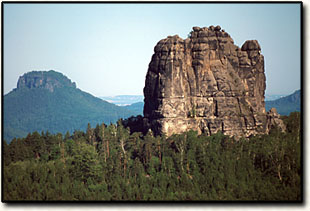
[{"x": 208, "y": 84}]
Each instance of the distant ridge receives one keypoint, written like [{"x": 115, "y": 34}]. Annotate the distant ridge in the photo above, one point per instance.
[
  {"x": 136, "y": 107},
  {"x": 48, "y": 100},
  {"x": 123, "y": 100},
  {"x": 285, "y": 105}
]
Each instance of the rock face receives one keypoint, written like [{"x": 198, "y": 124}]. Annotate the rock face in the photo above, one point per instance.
[
  {"x": 208, "y": 84},
  {"x": 42, "y": 79}
]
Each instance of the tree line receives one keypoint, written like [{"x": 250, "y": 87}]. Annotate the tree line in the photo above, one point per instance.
[{"x": 116, "y": 162}]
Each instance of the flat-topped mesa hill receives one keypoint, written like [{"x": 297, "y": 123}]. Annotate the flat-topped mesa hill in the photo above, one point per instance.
[
  {"x": 208, "y": 84},
  {"x": 50, "y": 101},
  {"x": 44, "y": 79}
]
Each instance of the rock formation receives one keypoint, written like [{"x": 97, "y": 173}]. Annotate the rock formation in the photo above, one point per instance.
[
  {"x": 208, "y": 84},
  {"x": 273, "y": 120},
  {"x": 42, "y": 79}
]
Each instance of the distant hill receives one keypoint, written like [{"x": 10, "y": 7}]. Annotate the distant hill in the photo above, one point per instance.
[
  {"x": 136, "y": 107},
  {"x": 123, "y": 100},
  {"x": 270, "y": 97},
  {"x": 50, "y": 101},
  {"x": 285, "y": 105}
]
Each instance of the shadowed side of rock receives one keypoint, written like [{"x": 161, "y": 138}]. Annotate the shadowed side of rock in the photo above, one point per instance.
[{"x": 206, "y": 83}]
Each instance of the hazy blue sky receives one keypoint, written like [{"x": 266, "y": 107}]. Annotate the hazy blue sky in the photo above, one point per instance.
[{"x": 106, "y": 48}]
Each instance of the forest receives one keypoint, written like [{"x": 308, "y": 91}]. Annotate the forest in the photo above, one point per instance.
[{"x": 117, "y": 163}]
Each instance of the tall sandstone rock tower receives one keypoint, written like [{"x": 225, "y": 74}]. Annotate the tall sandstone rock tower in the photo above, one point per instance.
[{"x": 208, "y": 84}]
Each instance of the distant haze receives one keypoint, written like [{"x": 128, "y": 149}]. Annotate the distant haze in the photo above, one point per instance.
[
  {"x": 123, "y": 100},
  {"x": 106, "y": 48}
]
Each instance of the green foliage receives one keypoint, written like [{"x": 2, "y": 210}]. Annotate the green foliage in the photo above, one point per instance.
[
  {"x": 85, "y": 164},
  {"x": 109, "y": 163}
]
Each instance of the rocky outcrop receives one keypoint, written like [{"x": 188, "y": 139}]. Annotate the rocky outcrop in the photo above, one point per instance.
[
  {"x": 273, "y": 120},
  {"x": 43, "y": 79},
  {"x": 206, "y": 83}
]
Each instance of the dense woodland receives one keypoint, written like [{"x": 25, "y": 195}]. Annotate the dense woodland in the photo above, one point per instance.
[{"x": 116, "y": 162}]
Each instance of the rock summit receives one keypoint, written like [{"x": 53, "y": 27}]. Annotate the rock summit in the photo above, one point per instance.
[
  {"x": 44, "y": 79},
  {"x": 208, "y": 84}
]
